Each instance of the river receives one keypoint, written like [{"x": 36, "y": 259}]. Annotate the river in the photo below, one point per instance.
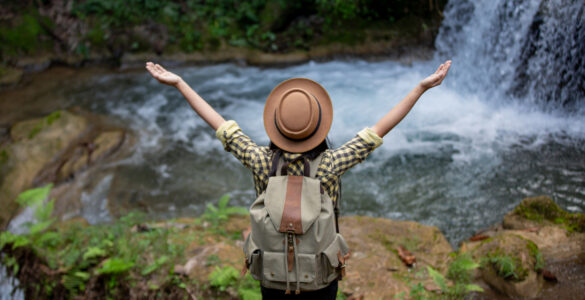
[
  {"x": 507, "y": 123},
  {"x": 468, "y": 152}
]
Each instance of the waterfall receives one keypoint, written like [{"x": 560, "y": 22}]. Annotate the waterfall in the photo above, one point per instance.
[{"x": 533, "y": 50}]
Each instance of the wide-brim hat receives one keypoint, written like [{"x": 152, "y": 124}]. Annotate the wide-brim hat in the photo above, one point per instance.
[{"x": 298, "y": 115}]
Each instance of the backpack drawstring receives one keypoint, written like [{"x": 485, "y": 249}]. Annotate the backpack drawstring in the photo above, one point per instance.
[
  {"x": 286, "y": 266},
  {"x": 298, "y": 290}
]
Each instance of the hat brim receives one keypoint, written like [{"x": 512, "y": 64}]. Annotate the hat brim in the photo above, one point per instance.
[{"x": 320, "y": 134}]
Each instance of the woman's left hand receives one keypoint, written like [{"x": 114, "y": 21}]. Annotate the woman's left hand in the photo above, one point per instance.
[{"x": 436, "y": 78}]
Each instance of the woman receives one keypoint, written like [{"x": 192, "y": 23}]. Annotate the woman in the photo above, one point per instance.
[{"x": 297, "y": 117}]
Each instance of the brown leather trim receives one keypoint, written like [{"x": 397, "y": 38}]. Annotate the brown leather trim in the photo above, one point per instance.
[
  {"x": 291, "y": 214},
  {"x": 342, "y": 260}
]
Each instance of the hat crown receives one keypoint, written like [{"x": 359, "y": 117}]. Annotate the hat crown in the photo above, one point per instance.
[{"x": 298, "y": 113}]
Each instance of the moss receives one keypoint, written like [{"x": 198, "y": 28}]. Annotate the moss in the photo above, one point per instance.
[{"x": 544, "y": 209}]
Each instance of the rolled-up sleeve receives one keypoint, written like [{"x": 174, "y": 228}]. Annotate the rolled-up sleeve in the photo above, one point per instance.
[
  {"x": 354, "y": 151},
  {"x": 243, "y": 148}
]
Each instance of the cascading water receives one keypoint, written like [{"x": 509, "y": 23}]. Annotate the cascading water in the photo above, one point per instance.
[
  {"x": 506, "y": 124},
  {"x": 531, "y": 50}
]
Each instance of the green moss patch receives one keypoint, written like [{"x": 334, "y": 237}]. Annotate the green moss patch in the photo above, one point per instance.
[{"x": 544, "y": 209}]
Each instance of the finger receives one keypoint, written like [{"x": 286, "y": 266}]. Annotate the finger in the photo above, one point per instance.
[
  {"x": 160, "y": 68},
  {"x": 439, "y": 69}
]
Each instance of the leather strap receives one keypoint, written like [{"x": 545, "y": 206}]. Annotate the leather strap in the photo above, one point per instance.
[
  {"x": 275, "y": 158},
  {"x": 291, "y": 213}
]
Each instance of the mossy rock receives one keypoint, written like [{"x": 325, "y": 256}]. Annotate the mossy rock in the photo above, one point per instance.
[
  {"x": 509, "y": 263},
  {"x": 540, "y": 211},
  {"x": 35, "y": 144}
]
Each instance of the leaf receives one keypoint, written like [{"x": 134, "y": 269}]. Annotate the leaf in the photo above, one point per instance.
[
  {"x": 93, "y": 252},
  {"x": 438, "y": 278},
  {"x": 114, "y": 265},
  {"x": 466, "y": 263},
  {"x": 44, "y": 212},
  {"x": 224, "y": 277},
  {"x": 20, "y": 241},
  {"x": 157, "y": 264},
  {"x": 236, "y": 210},
  {"x": 34, "y": 197},
  {"x": 39, "y": 227},
  {"x": 223, "y": 202},
  {"x": 82, "y": 275},
  {"x": 48, "y": 237},
  {"x": 211, "y": 208},
  {"x": 473, "y": 288}
]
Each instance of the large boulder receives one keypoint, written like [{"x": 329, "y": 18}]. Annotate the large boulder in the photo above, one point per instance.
[
  {"x": 510, "y": 264},
  {"x": 54, "y": 148},
  {"x": 558, "y": 234},
  {"x": 35, "y": 143},
  {"x": 375, "y": 270}
]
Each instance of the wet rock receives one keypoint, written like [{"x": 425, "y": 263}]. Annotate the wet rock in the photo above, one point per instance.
[
  {"x": 558, "y": 234},
  {"x": 35, "y": 143},
  {"x": 375, "y": 270},
  {"x": 87, "y": 153},
  {"x": 55, "y": 148},
  {"x": 509, "y": 263}
]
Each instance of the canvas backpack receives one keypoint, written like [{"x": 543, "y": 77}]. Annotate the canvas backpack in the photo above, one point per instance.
[{"x": 294, "y": 239}]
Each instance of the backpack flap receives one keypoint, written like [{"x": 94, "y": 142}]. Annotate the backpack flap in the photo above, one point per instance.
[{"x": 301, "y": 205}]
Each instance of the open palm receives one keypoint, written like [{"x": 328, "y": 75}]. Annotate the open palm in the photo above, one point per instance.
[
  {"x": 436, "y": 78},
  {"x": 162, "y": 75}
]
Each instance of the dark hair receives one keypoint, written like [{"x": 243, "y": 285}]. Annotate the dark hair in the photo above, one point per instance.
[{"x": 311, "y": 154}]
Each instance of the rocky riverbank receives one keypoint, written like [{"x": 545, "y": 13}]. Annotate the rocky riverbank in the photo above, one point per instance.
[
  {"x": 537, "y": 252},
  {"x": 37, "y": 35}
]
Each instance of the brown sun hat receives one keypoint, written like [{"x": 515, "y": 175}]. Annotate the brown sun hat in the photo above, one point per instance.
[{"x": 298, "y": 115}]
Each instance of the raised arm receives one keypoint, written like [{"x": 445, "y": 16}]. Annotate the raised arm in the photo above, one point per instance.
[
  {"x": 201, "y": 107},
  {"x": 396, "y": 114}
]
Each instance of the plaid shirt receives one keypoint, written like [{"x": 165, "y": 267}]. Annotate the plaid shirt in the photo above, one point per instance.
[{"x": 333, "y": 164}]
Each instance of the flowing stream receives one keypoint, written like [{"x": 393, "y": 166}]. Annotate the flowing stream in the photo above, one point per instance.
[{"x": 507, "y": 123}]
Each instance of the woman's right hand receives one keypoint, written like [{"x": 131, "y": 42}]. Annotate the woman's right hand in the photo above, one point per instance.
[{"x": 162, "y": 75}]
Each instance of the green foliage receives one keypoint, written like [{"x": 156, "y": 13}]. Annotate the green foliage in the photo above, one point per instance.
[
  {"x": 114, "y": 266},
  {"x": 21, "y": 37},
  {"x": 222, "y": 278},
  {"x": 505, "y": 266},
  {"x": 112, "y": 251},
  {"x": 228, "y": 277},
  {"x": 456, "y": 285},
  {"x": 34, "y": 198},
  {"x": 221, "y": 213},
  {"x": 159, "y": 262}
]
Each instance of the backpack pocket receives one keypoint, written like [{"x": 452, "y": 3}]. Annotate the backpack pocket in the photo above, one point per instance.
[
  {"x": 256, "y": 265},
  {"x": 274, "y": 267},
  {"x": 329, "y": 261},
  {"x": 253, "y": 257}
]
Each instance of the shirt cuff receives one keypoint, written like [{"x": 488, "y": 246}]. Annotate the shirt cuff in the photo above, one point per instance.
[
  {"x": 370, "y": 137},
  {"x": 226, "y": 130}
]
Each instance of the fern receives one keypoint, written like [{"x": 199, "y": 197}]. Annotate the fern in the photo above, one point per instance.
[
  {"x": 222, "y": 278},
  {"x": 114, "y": 266},
  {"x": 219, "y": 214}
]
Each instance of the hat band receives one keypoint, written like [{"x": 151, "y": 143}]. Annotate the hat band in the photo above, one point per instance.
[{"x": 304, "y": 138}]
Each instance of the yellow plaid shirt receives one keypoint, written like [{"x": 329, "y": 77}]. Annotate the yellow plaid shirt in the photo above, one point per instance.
[{"x": 333, "y": 164}]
